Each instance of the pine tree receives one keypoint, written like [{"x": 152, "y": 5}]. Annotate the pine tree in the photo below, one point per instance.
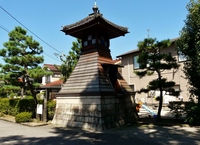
[
  {"x": 152, "y": 61},
  {"x": 189, "y": 46},
  {"x": 22, "y": 57}
]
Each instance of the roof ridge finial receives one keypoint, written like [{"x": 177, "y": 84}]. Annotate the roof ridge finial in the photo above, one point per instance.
[
  {"x": 95, "y": 3},
  {"x": 95, "y": 8}
]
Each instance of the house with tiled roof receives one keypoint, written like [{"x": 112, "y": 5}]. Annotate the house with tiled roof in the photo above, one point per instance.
[
  {"x": 51, "y": 78},
  {"x": 130, "y": 64},
  {"x": 51, "y": 84}
]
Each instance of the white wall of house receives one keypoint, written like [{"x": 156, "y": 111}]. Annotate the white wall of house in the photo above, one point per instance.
[
  {"x": 48, "y": 79},
  {"x": 172, "y": 75}
]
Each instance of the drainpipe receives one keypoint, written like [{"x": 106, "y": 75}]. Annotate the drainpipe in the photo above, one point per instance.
[{"x": 128, "y": 72}]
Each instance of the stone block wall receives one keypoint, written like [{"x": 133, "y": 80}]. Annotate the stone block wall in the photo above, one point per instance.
[{"x": 94, "y": 112}]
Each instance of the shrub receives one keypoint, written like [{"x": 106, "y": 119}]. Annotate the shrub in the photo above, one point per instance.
[
  {"x": 177, "y": 108},
  {"x": 192, "y": 113},
  {"x": 51, "y": 105},
  {"x": 23, "y": 117},
  {"x": 28, "y": 105}
]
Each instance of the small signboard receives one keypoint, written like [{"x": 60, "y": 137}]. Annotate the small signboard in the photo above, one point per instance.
[{"x": 39, "y": 108}]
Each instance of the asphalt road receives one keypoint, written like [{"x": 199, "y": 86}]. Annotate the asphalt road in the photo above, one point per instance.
[{"x": 16, "y": 134}]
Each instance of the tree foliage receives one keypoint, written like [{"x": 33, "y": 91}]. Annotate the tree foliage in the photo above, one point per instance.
[
  {"x": 69, "y": 61},
  {"x": 189, "y": 45},
  {"x": 151, "y": 61},
  {"x": 22, "y": 57}
]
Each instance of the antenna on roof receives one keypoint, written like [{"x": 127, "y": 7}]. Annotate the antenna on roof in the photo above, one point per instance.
[{"x": 148, "y": 33}]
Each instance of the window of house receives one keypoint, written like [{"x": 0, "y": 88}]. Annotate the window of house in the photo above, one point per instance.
[
  {"x": 181, "y": 57},
  {"x": 47, "y": 79},
  {"x": 177, "y": 88},
  {"x": 135, "y": 62}
]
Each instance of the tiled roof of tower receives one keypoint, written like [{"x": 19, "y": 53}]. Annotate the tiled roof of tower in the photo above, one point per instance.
[
  {"x": 92, "y": 20},
  {"x": 87, "y": 77}
]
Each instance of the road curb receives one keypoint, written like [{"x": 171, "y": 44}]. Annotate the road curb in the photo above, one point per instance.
[{"x": 31, "y": 124}]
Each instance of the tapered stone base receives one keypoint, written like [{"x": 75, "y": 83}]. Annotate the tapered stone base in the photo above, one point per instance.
[{"x": 94, "y": 112}]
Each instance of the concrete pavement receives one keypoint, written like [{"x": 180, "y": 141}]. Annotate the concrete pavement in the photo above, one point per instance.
[{"x": 16, "y": 134}]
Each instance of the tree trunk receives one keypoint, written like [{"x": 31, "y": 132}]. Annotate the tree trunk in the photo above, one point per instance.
[
  {"x": 23, "y": 87},
  {"x": 22, "y": 92},
  {"x": 32, "y": 92},
  {"x": 158, "y": 118}
]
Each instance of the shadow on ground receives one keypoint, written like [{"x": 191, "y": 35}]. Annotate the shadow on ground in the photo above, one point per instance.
[{"x": 140, "y": 134}]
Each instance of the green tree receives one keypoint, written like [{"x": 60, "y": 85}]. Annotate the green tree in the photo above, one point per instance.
[
  {"x": 189, "y": 46},
  {"x": 152, "y": 61},
  {"x": 69, "y": 61},
  {"x": 21, "y": 70}
]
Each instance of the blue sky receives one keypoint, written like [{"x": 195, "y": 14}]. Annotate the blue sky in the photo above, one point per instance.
[{"x": 163, "y": 18}]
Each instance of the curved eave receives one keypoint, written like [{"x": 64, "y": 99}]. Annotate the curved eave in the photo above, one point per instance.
[{"x": 92, "y": 22}]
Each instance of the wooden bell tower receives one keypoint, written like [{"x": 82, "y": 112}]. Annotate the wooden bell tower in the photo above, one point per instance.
[{"x": 95, "y": 96}]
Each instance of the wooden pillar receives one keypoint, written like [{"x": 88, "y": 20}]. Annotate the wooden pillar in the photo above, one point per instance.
[{"x": 44, "y": 118}]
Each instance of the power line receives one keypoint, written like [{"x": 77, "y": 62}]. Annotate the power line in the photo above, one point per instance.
[
  {"x": 52, "y": 57},
  {"x": 29, "y": 30},
  {"x": 2, "y": 27}
]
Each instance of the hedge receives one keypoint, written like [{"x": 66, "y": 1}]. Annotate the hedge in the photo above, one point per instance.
[
  {"x": 16, "y": 106},
  {"x": 8, "y": 106}
]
